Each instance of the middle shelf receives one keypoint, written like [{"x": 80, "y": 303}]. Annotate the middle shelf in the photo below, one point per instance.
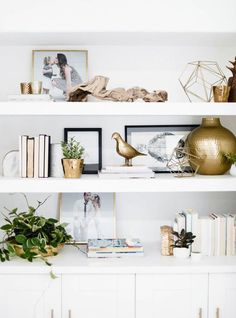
[{"x": 92, "y": 183}]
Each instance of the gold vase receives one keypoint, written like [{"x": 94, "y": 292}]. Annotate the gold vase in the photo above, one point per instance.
[
  {"x": 210, "y": 142},
  {"x": 72, "y": 167}
]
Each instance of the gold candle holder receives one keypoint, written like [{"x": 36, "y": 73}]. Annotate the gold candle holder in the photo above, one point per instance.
[
  {"x": 36, "y": 87},
  {"x": 221, "y": 93},
  {"x": 25, "y": 88}
]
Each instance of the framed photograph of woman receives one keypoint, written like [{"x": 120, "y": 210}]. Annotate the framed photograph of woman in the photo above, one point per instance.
[
  {"x": 59, "y": 71},
  {"x": 88, "y": 215}
]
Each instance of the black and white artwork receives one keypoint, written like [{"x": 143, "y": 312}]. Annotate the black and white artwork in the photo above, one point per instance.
[
  {"x": 158, "y": 142},
  {"x": 89, "y": 215}
]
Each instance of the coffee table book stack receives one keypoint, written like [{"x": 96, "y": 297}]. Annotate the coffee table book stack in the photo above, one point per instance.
[{"x": 126, "y": 172}]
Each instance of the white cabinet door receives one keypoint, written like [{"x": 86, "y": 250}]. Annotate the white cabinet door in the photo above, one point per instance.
[
  {"x": 98, "y": 296},
  {"x": 30, "y": 296},
  {"x": 172, "y": 295},
  {"x": 222, "y": 296}
]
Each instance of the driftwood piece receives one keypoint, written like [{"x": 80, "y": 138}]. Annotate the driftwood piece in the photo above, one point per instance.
[{"x": 97, "y": 87}]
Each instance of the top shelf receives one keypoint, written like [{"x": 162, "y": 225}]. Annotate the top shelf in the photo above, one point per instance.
[
  {"x": 117, "y": 108},
  {"x": 220, "y": 39}
]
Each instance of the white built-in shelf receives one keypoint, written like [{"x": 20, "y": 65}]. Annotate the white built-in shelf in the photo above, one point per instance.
[
  {"x": 162, "y": 183},
  {"x": 117, "y": 108},
  {"x": 72, "y": 261},
  {"x": 84, "y": 39}
]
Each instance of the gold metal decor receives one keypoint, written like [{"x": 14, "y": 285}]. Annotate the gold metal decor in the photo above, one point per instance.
[
  {"x": 125, "y": 150},
  {"x": 221, "y": 93},
  {"x": 198, "y": 80},
  {"x": 167, "y": 240},
  {"x": 36, "y": 87},
  {"x": 182, "y": 161},
  {"x": 72, "y": 167},
  {"x": 25, "y": 88},
  {"x": 210, "y": 142}
]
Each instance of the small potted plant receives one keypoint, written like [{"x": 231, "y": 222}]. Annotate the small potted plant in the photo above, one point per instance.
[
  {"x": 182, "y": 243},
  {"x": 31, "y": 236},
  {"x": 232, "y": 159},
  {"x": 72, "y": 161}
]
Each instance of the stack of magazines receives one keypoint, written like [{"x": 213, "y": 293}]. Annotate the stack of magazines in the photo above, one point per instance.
[
  {"x": 114, "y": 248},
  {"x": 125, "y": 172}
]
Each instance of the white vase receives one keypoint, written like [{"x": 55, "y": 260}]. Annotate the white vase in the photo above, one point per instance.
[
  {"x": 232, "y": 170},
  {"x": 182, "y": 252}
]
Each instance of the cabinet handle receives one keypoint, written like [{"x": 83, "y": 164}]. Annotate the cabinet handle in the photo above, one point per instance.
[
  {"x": 218, "y": 312},
  {"x": 69, "y": 312},
  {"x": 52, "y": 313},
  {"x": 200, "y": 313}
]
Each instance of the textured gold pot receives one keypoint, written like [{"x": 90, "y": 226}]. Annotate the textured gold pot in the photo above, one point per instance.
[
  {"x": 210, "y": 142},
  {"x": 221, "y": 93},
  {"x": 72, "y": 167},
  {"x": 51, "y": 251}
]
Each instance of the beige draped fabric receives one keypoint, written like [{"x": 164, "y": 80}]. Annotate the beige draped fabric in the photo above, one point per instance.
[{"x": 97, "y": 87}]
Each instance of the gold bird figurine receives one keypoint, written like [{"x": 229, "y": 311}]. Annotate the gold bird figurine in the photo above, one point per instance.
[{"x": 125, "y": 150}]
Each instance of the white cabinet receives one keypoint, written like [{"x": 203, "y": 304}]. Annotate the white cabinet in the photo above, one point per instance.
[
  {"x": 30, "y": 296},
  {"x": 100, "y": 296},
  {"x": 222, "y": 296},
  {"x": 171, "y": 295}
]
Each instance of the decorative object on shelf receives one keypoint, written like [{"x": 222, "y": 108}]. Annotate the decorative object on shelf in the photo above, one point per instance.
[
  {"x": 167, "y": 240},
  {"x": 59, "y": 70},
  {"x": 97, "y": 88},
  {"x": 198, "y": 80},
  {"x": 196, "y": 256},
  {"x": 210, "y": 142},
  {"x": 180, "y": 162},
  {"x": 56, "y": 154},
  {"x": 36, "y": 87},
  {"x": 232, "y": 159},
  {"x": 31, "y": 236},
  {"x": 221, "y": 93},
  {"x": 158, "y": 142},
  {"x": 25, "y": 88},
  {"x": 91, "y": 139},
  {"x": 125, "y": 150},
  {"x": 232, "y": 82},
  {"x": 182, "y": 243},
  {"x": 88, "y": 215},
  {"x": 72, "y": 158},
  {"x": 10, "y": 164}
]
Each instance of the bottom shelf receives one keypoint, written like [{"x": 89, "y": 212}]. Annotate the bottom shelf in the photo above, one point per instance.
[{"x": 161, "y": 183}]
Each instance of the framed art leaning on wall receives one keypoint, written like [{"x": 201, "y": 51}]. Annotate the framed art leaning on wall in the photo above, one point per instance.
[
  {"x": 91, "y": 140},
  {"x": 157, "y": 142}
]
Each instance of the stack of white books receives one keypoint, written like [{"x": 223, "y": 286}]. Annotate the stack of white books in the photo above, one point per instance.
[
  {"x": 125, "y": 172},
  {"x": 30, "y": 98},
  {"x": 215, "y": 233}
]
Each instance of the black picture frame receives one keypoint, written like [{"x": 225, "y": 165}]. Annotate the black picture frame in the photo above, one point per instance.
[
  {"x": 156, "y": 128},
  {"x": 94, "y": 167}
]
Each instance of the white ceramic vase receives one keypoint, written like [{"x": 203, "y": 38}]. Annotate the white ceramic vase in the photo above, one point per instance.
[
  {"x": 232, "y": 170},
  {"x": 181, "y": 252}
]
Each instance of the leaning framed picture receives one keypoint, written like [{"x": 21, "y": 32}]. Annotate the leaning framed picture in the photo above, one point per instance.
[
  {"x": 91, "y": 140},
  {"x": 59, "y": 70},
  {"x": 88, "y": 215},
  {"x": 157, "y": 142}
]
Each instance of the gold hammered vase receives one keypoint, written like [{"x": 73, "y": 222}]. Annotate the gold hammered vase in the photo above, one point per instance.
[
  {"x": 72, "y": 167},
  {"x": 209, "y": 142}
]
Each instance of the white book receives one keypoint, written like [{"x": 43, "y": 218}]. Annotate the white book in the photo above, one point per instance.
[
  {"x": 205, "y": 235},
  {"x": 216, "y": 222},
  {"x": 23, "y": 156},
  {"x": 125, "y": 169},
  {"x": 30, "y": 157},
  {"x": 195, "y": 230},
  {"x": 180, "y": 220},
  {"x": 229, "y": 234},
  {"x": 41, "y": 155},
  {"x": 36, "y": 157},
  {"x": 46, "y": 156},
  {"x": 188, "y": 220}
]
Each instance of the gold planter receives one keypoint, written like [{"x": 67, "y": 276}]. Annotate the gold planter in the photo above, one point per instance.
[
  {"x": 221, "y": 93},
  {"x": 210, "y": 142},
  {"x": 25, "y": 88},
  {"x": 51, "y": 251},
  {"x": 36, "y": 87},
  {"x": 72, "y": 167}
]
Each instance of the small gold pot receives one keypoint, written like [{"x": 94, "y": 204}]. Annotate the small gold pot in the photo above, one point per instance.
[
  {"x": 72, "y": 167},
  {"x": 221, "y": 93},
  {"x": 36, "y": 87},
  {"x": 51, "y": 251},
  {"x": 25, "y": 88}
]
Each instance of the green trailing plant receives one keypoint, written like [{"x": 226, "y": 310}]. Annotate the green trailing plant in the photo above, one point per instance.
[
  {"x": 230, "y": 157},
  {"x": 183, "y": 239},
  {"x": 32, "y": 233},
  {"x": 72, "y": 149}
]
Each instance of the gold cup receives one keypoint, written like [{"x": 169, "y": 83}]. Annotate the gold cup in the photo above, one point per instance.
[
  {"x": 36, "y": 87},
  {"x": 221, "y": 93},
  {"x": 25, "y": 88}
]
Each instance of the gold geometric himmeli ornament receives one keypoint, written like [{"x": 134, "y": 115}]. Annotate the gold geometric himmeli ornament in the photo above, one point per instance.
[
  {"x": 179, "y": 163},
  {"x": 198, "y": 80}
]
